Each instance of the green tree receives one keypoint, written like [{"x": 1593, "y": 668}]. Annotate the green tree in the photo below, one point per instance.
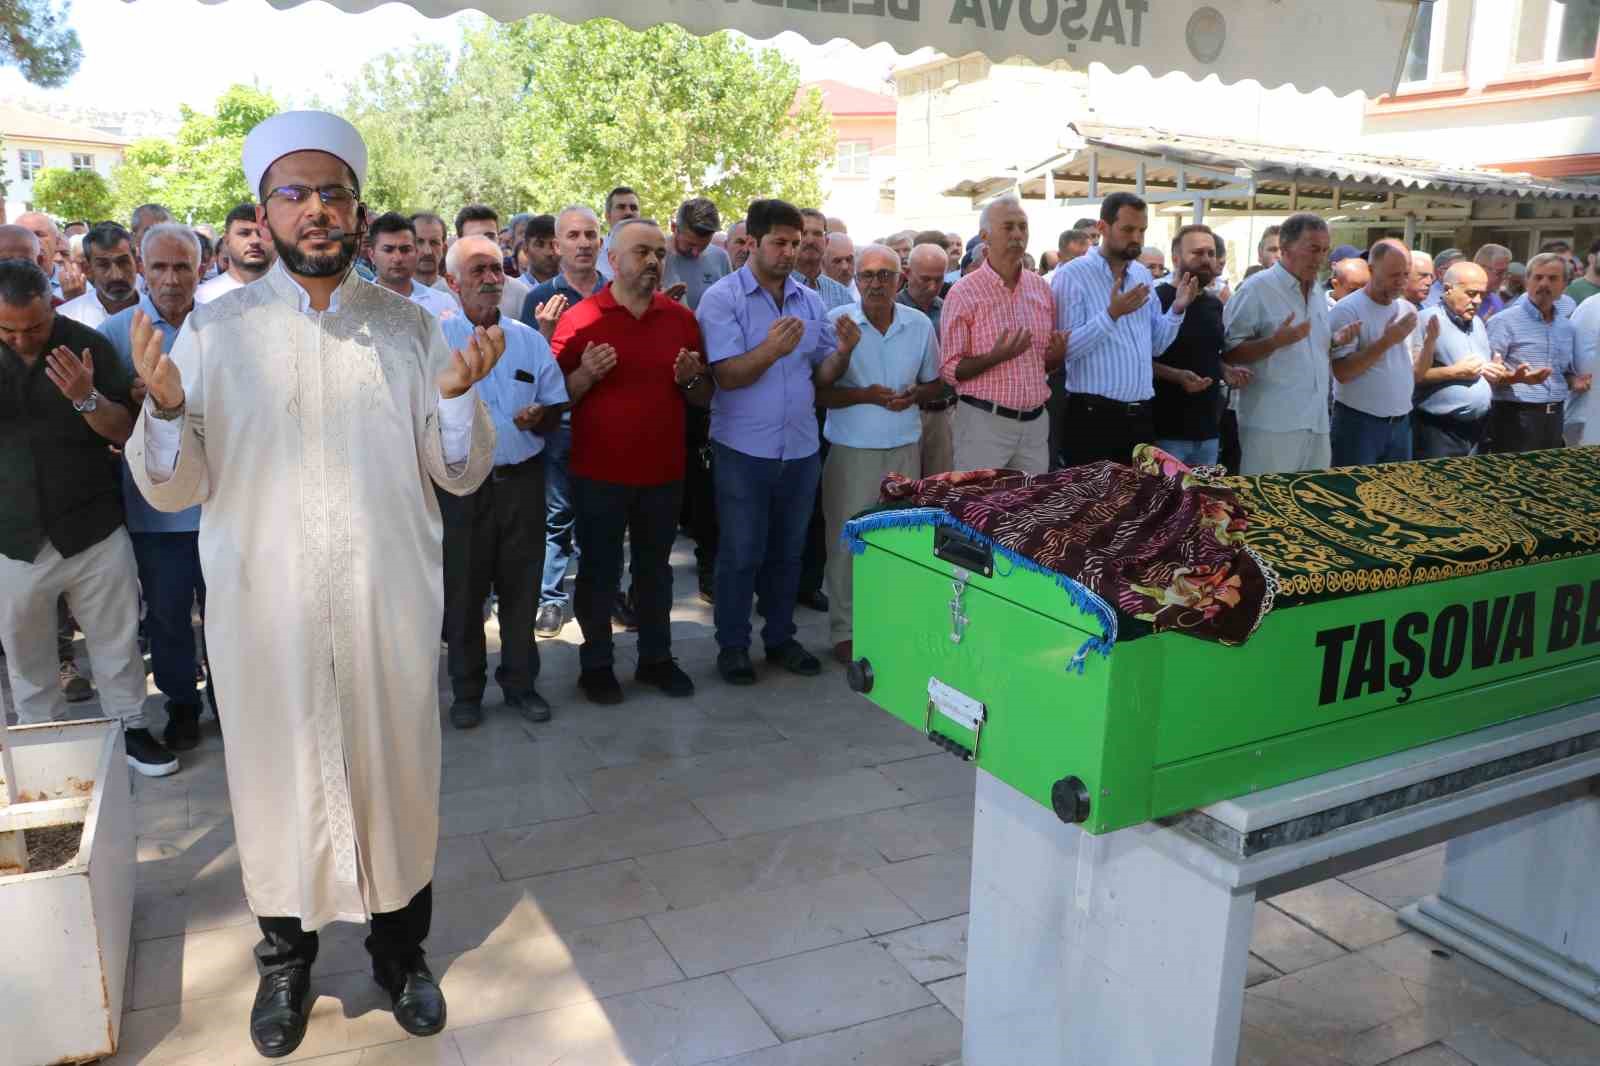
[
  {"x": 538, "y": 114},
  {"x": 198, "y": 176},
  {"x": 72, "y": 194},
  {"x": 35, "y": 38}
]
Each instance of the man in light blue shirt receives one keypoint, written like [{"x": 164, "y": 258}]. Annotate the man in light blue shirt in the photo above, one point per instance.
[
  {"x": 1114, "y": 332},
  {"x": 1453, "y": 397},
  {"x": 166, "y": 545},
  {"x": 770, "y": 347},
  {"x": 809, "y": 261},
  {"x": 1545, "y": 356},
  {"x": 494, "y": 537},
  {"x": 874, "y": 423}
]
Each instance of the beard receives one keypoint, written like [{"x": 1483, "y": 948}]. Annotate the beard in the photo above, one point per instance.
[{"x": 318, "y": 266}]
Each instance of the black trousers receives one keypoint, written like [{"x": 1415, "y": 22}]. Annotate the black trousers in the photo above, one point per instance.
[
  {"x": 1525, "y": 427},
  {"x": 494, "y": 538},
  {"x": 1436, "y": 438},
  {"x": 1230, "y": 455},
  {"x": 603, "y": 511},
  {"x": 396, "y": 937},
  {"x": 1055, "y": 409},
  {"x": 814, "y": 560},
  {"x": 1097, "y": 428},
  {"x": 699, "y": 490}
]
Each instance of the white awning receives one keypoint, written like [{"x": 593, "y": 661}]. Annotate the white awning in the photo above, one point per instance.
[{"x": 1345, "y": 45}]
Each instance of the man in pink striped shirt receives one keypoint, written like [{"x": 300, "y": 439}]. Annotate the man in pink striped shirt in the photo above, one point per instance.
[{"x": 998, "y": 343}]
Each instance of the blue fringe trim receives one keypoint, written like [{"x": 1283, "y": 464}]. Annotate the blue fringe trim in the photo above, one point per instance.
[{"x": 1083, "y": 598}]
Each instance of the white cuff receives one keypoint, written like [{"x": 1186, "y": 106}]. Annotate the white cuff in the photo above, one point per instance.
[
  {"x": 161, "y": 439},
  {"x": 455, "y": 426}
]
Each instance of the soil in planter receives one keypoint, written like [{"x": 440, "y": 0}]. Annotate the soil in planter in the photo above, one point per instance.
[{"x": 53, "y": 848}]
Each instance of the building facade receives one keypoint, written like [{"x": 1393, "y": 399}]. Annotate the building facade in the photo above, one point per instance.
[
  {"x": 35, "y": 142},
  {"x": 853, "y": 182}
]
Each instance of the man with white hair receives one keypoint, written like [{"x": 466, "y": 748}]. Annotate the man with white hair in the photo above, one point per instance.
[
  {"x": 494, "y": 537},
  {"x": 1453, "y": 397},
  {"x": 166, "y": 546},
  {"x": 1495, "y": 259},
  {"x": 873, "y": 425},
  {"x": 312, "y": 415},
  {"x": 1422, "y": 277},
  {"x": 997, "y": 343},
  {"x": 481, "y": 220},
  {"x": 63, "y": 285},
  {"x": 577, "y": 245}
]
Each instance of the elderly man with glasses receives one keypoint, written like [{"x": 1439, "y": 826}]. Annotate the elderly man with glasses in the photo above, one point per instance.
[{"x": 874, "y": 424}]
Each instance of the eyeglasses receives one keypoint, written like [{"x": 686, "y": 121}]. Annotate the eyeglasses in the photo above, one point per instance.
[
  {"x": 331, "y": 195},
  {"x": 877, "y": 277}
]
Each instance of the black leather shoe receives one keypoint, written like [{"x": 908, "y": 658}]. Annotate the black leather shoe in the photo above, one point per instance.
[
  {"x": 816, "y": 599},
  {"x": 418, "y": 1002},
  {"x": 795, "y": 659},
  {"x": 735, "y": 667},
  {"x": 666, "y": 676},
  {"x": 599, "y": 684},
  {"x": 183, "y": 727},
  {"x": 278, "y": 1017},
  {"x": 532, "y": 706},
  {"x": 466, "y": 714}
]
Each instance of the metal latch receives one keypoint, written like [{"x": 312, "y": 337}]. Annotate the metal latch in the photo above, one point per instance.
[
  {"x": 958, "y": 619},
  {"x": 961, "y": 709}
]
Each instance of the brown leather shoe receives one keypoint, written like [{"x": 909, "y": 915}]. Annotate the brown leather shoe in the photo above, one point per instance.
[{"x": 844, "y": 651}]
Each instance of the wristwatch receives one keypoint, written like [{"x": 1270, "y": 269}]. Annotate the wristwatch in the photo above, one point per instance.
[
  {"x": 689, "y": 386},
  {"x": 167, "y": 414},
  {"x": 88, "y": 403}
]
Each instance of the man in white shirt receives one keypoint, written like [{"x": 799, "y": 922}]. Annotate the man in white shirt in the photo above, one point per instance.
[
  {"x": 249, "y": 251},
  {"x": 1376, "y": 371},
  {"x": 113, "y": 274},
  {"x": 1277, "y": 325},
  {"x": 429, "y": 229},
  {"x": 394, "y": 254},
  {"x": 481, "y": 220},
  {"x": 1583, "y": 410},
  {"x": 622, "y": 203}
]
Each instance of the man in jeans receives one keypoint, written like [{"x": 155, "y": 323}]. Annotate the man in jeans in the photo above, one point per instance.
[
  {"x": 631, "y": 356},
  {"x": 63, "y": 398},
  {"x": 1376, "y": 371},
  {"x": 770, "y": 346}
]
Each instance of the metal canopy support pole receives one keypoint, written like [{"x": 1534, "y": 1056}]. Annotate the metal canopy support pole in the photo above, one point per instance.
[
  {"x": 1411, "y": 230},
  {"x": 1094, "y": 174},
  {"x": 1140, "y": 174}
]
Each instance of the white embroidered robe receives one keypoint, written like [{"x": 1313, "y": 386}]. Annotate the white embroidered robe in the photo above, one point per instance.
[{"x": 313, "y": 442}]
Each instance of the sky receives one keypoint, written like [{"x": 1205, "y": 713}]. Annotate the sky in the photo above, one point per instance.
[{"x": 156, "y": 54}]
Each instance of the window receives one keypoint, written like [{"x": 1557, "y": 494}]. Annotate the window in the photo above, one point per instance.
[
  {"x": 1438, "y": 47},
  {"x": 82, "y": 161},
  {"x": 854, "y": 159},
  {"x": 1551, "y": 32},
  {"x": 31, "y": 161}
]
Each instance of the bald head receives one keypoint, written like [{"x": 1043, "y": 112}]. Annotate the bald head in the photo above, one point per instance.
[
  {"x": 1348, "y": 276},
  {"x": 925, "y": 274},
  {"x": 18, "y": 242},
  {"x": 41, "y": 226},
  {"x": 1465, "y": 285},
  {"x": 839, "y": 260},
  {"x": 1390, "y": 263}
]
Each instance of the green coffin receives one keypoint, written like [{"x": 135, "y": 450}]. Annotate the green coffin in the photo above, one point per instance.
[{"x": 1417, "y": 602}]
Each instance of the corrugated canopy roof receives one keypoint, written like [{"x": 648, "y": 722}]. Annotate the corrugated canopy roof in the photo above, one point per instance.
[{"x": 1098, "y": 159}]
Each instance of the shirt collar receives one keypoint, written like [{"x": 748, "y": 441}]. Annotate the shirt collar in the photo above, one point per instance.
[
  {"x": 148, "y": 306},
  {"x": 749, "y": 284},
  {"x": 1463, "y": 324},
  {"x": 896, "y": 321},
  {"x": 904, "y": 298},
  {"x": 1534, "y": 312},
  {"x": 290, "y": 289}
]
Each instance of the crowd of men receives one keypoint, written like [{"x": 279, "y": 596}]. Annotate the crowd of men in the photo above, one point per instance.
[
  {"x": 321, "y": 409},
  {"x": 750, "y": 383}
]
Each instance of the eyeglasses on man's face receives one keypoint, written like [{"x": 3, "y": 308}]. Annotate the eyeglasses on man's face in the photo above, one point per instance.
[
  {"x": 877, "y": 277},
  {"x": 331, "y": 195}
]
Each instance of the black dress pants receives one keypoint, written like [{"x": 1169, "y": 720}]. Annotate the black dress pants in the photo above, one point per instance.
[
  {"x": 602, "y": 512},
  {"x": 494, "y": 538},
  {"x": 396, "y": 937},
  {"x": 1097, "y": 428},
  {"x": 699, "y": 491},
  {"x": 814, "y": 560},
  {"x": 1525, "y": 427}
]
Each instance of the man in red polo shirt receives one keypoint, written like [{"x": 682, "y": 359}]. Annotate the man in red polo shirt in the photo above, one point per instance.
[{"x": 632, "y": 358}]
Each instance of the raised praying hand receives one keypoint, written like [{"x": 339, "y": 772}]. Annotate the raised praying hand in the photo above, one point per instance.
[
  {"x": 1237, "y": 376},
  {"x": 598, "y": 359},
  {"x": 1055, "y": 349},
  {"x": 470, "y": 364},
  {"x": 1352, "y": 333},
  {"x": 549, "y": 313},
  {"x": 1289, "y": 332},
  {"x": 1186, "y": 293},
  {"x": 1130, "y": 300},
  {"x": 72, "y": 281},
  {"x": 162, "y": 381},
  {"x": 1192, "y": 382},
  {"x": 848, "y": 332},
  {"x": 687, "y": 366}
]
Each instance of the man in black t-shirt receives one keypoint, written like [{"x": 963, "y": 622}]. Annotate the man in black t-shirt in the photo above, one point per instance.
[
  {"x": 64, "y": 397},
  {"x": 1189, "y": 399}
]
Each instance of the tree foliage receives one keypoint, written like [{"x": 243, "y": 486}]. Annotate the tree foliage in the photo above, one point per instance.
[
  {"x": 198, "y": 176},
  {"x": 538, "y": 114},
  {"x": 35, "y": 38},
  {"x": 72, "y": 194}
]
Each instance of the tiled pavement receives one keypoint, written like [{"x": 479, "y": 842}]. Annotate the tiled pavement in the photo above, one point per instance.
[{"x": 774, "y": 876}]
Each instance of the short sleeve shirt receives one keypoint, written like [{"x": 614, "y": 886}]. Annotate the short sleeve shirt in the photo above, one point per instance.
[
  {"x": 905, "y": 356},
  {"x": 1385, "y": 389},
  {"x": 1289, "y": 390},
  {"x": 503, "y": 393},
  {"x": 977, "y": 310},
  {"x": 628, "y": 428}
]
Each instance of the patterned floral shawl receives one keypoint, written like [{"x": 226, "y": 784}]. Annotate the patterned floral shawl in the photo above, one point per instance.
[{"x": 1156, "y": 540}]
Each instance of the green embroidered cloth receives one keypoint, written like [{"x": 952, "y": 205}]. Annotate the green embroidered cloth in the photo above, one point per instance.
[{"x": 1359, "y": 529}]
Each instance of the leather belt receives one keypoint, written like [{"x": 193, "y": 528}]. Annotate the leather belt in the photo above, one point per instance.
[
  {"x": 939, "y": 405},
  {"x": 1109, "y": 406},
  {"x": 1003, "y": 412},
  {"x": 1556, "y": 407},
  {"x": 1393, "y": 420},
  {"x": 511, "y": 470}
]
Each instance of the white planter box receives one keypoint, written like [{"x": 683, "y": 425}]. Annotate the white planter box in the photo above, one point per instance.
[{"x": 64, "y": 933}]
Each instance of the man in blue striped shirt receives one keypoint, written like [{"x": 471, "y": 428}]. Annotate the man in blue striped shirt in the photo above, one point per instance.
[
  {"x": 1542, "y": 349},
  {"x": 1114, "y": 334}
]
